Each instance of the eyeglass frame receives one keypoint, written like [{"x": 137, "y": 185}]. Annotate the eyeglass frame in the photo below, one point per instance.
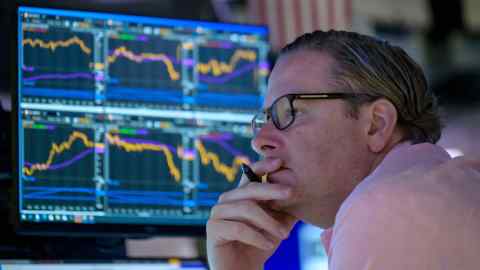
[{"x": 305, "y": 96}]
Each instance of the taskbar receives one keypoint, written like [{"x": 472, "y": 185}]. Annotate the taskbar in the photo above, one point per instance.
[{"x": 198, "y": 218}]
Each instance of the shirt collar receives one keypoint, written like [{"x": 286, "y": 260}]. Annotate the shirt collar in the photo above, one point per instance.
[{"x": 407, "y": 155}]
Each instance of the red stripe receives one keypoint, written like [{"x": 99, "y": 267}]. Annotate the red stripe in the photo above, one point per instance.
[
  {"x": 253, "y": 11},
  {"x": 331, "y": 14},
  {"x": 280, "y": 24},
  {"x": 314, "y": 13},
  {"x": 262, "y": 11},
  {"x": 348, "y": 13},
  {"x": 297, "y": 13}
]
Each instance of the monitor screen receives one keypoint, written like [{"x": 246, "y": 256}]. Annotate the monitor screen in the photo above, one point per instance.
[{"x": 130, "y": 124}]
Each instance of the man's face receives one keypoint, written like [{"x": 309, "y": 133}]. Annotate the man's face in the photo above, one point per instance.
[{"x": 324, "y": 152}]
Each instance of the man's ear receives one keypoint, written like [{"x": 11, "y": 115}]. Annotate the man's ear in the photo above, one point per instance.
[{"x": 382, "y": 120}]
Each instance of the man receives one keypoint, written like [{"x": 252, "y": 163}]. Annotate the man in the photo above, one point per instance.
[{"x": 347, "y": 137}]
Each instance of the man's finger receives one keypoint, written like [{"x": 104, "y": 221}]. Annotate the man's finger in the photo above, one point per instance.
[
  {"x": 257, "y": 192},
  {"x": 237, "y": 231},
  {"x": 250, "y": 212}
]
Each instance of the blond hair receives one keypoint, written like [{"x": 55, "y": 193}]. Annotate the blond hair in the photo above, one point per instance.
[{"x": 374, "y": 67}]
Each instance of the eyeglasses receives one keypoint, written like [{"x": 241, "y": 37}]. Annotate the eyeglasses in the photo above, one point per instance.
[{"x": 282, "y": 112}]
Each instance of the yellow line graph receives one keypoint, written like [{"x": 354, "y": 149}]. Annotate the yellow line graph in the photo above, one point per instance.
[
  {"x": 57, "y": 149},
  {"x": 206, "y": 157},
  {"x": 138, "y": 58},
  {"x": 52, "y": 45},
  {"x": 141, "y": 147},
  {"x": 209, "y": 157},
  {"x": 218, "y": 68}
]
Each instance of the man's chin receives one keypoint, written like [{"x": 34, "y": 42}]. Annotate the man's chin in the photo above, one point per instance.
[{"x": 281, "y": 210}]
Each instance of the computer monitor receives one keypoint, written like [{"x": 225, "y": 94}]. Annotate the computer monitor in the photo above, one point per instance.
[{"x": 130, "y": 125}]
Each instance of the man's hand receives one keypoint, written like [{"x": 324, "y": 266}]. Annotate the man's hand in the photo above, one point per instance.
[{"x": 243, "y": 231}]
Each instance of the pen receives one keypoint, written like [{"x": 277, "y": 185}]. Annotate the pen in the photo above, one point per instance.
[{"x": 250, "y": 174}]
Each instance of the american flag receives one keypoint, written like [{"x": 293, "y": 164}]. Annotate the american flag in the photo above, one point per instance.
[{"x": 287, "y": 19}]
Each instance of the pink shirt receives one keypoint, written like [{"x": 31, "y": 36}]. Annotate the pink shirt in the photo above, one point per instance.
[{"x": 418, "y": 209}]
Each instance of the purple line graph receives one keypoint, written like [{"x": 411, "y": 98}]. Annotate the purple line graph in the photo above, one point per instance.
[
  {"x": 27, "y": 68},
  {"x": 222, "y": 140},
  {"x": 66, "y": 163},
  {"x": 60, "y": 76},
  {"x": 228, "y": 77}
]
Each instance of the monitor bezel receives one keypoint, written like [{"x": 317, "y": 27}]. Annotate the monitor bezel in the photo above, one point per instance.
[
  {"x": 76, "y": 229},
  {"x": 189, "y": 263}
]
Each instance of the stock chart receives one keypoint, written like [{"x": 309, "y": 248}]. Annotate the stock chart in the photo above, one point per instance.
[
  {"x": 59, "y": 165},
  {"x": 225, "y": 72},
  {"x": 57, "y": 63},
  {"x": 147, "y": 68},
  {"x": 127, "y": 119},
  {"x": 145, "y": 168},
  {"x": 220, "y": 155}
]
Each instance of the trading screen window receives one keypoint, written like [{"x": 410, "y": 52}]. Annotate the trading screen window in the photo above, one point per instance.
[{"x": 133, "y": 119}]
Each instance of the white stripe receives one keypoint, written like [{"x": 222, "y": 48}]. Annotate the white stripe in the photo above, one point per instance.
[
  {"x": 340, "y": 20},
  {"x": 307, "y": 20},
  {"x": 288, "y": 21},
  {"x": 270, "y": 6},
  {"x": 254, "y": 11},
  {"x": 215, "y": 116},
  {"x": 60, "y": 107},
  {"x": 322, "y": 11}
]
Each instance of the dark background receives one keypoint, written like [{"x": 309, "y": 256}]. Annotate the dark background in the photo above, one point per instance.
[
  {"x": 458, "y": 87},
  {"x": 64, "y": 248}
]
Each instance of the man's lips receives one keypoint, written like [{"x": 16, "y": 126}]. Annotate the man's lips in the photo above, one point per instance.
[{"x": 280, "y": 176}]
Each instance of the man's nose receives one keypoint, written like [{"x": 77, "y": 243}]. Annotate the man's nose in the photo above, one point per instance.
[{"x": 265, "y": 140}]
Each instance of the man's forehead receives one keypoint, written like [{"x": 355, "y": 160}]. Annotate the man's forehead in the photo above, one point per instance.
[{"x": 300, "y": 72}]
